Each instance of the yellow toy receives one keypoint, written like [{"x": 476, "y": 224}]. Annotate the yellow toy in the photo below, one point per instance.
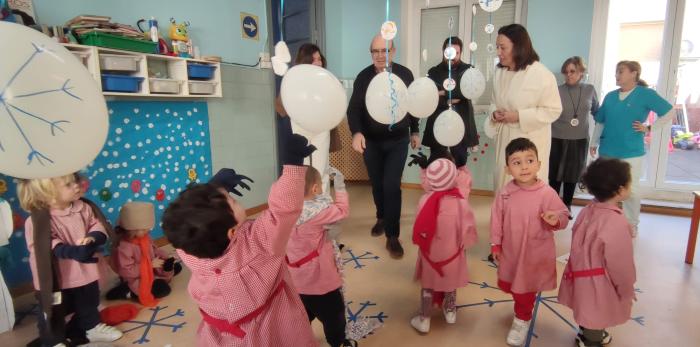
[{"x": 182, "y": 45}]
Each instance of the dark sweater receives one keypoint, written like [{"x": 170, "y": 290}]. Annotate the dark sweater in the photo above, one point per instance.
[{"x": 359, "y": 119}]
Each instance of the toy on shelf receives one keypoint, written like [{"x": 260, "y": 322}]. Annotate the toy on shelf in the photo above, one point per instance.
[{"x": 182, "y": 45}]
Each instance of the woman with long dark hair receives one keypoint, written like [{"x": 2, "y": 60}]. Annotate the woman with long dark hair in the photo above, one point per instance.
[{"x": 525, "y": 100}]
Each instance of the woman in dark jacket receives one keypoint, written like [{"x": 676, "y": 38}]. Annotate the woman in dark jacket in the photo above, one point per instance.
[{"x": 463, "y": 106}]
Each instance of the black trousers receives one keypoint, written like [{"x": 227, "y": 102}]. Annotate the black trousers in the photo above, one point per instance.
[
  {"x": 83, "y": 302},
  {"x": 568, "y": 194},
  {"x": 329, "y": 308},
  {"x": 385, "y": 161}
]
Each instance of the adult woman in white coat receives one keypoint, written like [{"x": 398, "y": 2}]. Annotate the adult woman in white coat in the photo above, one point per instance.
[{"x": 525, "y": 100}]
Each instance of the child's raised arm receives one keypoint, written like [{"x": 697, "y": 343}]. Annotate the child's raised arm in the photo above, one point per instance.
[
  {"x": 340, "y": 209},
  {"x": 285, "y": 203}
]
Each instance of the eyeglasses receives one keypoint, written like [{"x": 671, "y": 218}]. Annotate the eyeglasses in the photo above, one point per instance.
[{"x": 378, "y": 51}]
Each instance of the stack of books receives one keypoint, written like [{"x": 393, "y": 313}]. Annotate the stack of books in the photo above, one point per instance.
[{"x": 84, "y": 24}]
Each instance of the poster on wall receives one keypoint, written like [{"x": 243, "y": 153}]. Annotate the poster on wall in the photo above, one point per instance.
[{"x": 154, "y": 150}]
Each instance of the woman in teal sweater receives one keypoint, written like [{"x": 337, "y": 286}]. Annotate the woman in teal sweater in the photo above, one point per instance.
[{"x": 620, "y": 127}]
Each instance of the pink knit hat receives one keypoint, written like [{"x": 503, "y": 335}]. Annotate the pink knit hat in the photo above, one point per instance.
[{"x": 441, "y": 174}]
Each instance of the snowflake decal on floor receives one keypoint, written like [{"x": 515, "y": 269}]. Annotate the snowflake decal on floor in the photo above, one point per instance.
[
  {"x": 548, "y": 302},
  {"x": 361, "y": 324},
  {"x": 359, "y": 259},
  {"x": 14, "y": 112},
  {"x": 154, "y": 321}
]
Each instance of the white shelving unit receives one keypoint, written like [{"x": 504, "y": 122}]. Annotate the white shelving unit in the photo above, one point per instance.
[{"x": 152, "y": 68}]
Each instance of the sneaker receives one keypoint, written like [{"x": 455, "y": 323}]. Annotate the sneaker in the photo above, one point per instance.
[
  {"x": 582, "y": 342},
  {"x": 518, "y": 332},
  {"x": 349, "y": 343},
  {"x": 394, "y": 247},
  {"x": 378, "y": 228},
  {"x": 450, "y": 316},
  {"x": 103, "y": 333},
  {"x": 607, "y": 338},
  {"x": 60, "y": 345},
  {"x": 421, "y": 324}
]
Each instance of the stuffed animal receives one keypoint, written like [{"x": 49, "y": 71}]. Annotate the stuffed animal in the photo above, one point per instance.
[{"x": 182, "y": 45}]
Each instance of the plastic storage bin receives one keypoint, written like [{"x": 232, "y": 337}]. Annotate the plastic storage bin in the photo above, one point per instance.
[
  {"x": 164, "y": 86},
  {"x": 120, "y": 83},
  {"x": 118, "y": 62},
  {"x": 96, "y": 38},
  {"x": 202, "y": 87},
  {"x": 200, "y": 71}
]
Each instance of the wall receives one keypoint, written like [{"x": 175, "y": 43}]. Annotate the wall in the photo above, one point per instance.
[
  {"x": 241, "y": 124},
  {"x": 215, "y": 24},
  {"x": 350, "y": 25},
  {"x": 560, "y": 29}
]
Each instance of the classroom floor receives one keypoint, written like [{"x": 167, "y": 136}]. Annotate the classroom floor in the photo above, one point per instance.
[{"x": 383, "y": 288}]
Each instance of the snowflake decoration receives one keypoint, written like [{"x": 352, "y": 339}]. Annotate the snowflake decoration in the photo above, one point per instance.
[
  {"x": 154, "y": 321},
  {"x": 13, "y": 111},
  {"x": 358, "y": 259},
  {"x": 546, "y": 301}
]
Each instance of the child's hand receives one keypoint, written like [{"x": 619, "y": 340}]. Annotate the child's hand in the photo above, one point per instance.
[
  {"x": 551, "y": 218},
  {"x": 157, "y": 263},
  {"x": 85, "y": 241}
]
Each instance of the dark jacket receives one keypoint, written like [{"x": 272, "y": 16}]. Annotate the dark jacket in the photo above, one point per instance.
[
  {"x": 464, "y": 108},
  {"x": 359, "y": 119}
]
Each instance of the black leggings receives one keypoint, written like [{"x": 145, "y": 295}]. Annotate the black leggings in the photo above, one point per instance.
[{"x": 329, "y": 308}]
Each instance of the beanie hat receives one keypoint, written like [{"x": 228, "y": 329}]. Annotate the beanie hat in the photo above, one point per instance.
[
  {"x": 441, "y": 174},
  {"x": 137, "y": 216}
]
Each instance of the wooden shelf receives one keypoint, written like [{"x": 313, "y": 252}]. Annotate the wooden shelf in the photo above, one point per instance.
[{"x": 149, "y": 66}]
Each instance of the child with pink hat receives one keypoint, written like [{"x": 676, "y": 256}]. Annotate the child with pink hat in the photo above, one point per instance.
[{"x": 443, "y": 230}]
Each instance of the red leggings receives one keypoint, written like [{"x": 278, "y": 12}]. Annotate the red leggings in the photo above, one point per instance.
[{"x": 524, "y": 302}]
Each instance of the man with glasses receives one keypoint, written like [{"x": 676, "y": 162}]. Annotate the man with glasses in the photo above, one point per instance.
[{"x": 384, "y": 150}]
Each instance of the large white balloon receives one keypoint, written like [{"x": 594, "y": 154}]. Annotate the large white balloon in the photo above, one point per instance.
[
  {"x": 472, "y": 84},
  {"x": 422, "y": 97},
  {"x": 53, "y": 117},
  {"x": 313, "y": 98},
  {"x": 380, "y": 102},
  {"x": 448, "y": 128}
]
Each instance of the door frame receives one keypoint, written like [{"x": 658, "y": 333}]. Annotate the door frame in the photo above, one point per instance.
[
  {"x": 654, "y": 187},
  {"x": 410, "y": 25}
]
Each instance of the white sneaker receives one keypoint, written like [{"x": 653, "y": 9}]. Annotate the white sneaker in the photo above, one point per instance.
[
  {"x": 421, "y": 324},
  {"x": 60, "y": 345},
  {"x": 518, "y": 332},
  {"x": 450, "y": 316},
  {"x": 103, "y": 333}
]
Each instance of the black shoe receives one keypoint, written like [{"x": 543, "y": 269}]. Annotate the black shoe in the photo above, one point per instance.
[
  {"x": 394, "y": 247},
  {"x": 349, "y": 343},
  {"x": 120, "y": 292},
  {"x": 491, "y": 258},
  {"x": 378, "y": 228}
]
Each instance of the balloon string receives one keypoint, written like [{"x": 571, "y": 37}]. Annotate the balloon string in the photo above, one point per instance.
[
  {"x": 392, "y": 87},
  {"x": 281, "y": 20}
]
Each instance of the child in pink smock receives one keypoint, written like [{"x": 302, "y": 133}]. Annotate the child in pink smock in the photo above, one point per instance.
[
  {"x": 76, "y": 234},
  {"x": 443, "y": 230},
  {"x": 144, "y": 269},
  {"x": 311, "y": 256},
  {"x": 524, "y": 215},
  {"x": 598, "y": 283},
  {"x": 239, "y": 277}
]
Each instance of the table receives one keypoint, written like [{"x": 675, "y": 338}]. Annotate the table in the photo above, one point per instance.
[{"x": 693, "y": 234}]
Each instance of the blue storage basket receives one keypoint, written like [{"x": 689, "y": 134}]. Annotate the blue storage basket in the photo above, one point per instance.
[
  {"x": 121, "y": 83},
  {"x": 200, "y": 71}
]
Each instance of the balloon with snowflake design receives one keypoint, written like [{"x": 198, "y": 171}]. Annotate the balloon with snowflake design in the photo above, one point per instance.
[{"x": 53, "y": 117}]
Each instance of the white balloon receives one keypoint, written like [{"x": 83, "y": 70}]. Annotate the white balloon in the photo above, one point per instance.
[
  {"x": 448, "y": 128},
  {"x": 53, "y": 117},
  {"x": 313, "y": 98},
  {"x": 422, "y": 97},
  {"x": 472, "y": 84},
  {"x": 379, "y": 99}
]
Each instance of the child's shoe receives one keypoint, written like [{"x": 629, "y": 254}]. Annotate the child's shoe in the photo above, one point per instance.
[
  {"x": 450, "y": 315},
  {"x": 349, "y": 343},
  {"x": 582, "y": 342},
  {"x": 518, "y": 332},
  {"x": 103, "y": 333},
  {"x": 421, "y": 324}
]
